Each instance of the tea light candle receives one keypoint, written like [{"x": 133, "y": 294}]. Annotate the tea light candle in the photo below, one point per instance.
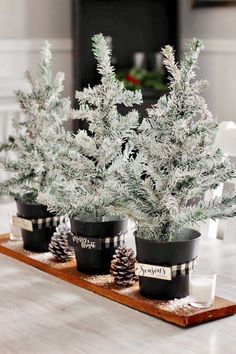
[{"x": 202, "y": 289}]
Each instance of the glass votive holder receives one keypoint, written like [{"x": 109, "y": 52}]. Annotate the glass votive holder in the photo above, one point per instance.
[{"x": 202, "y": 289}]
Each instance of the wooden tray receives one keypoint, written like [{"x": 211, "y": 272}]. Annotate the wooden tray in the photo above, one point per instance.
[{"x": 178, "y": 312}]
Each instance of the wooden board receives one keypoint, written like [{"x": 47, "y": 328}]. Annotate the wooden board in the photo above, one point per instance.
[{"x": 176, "y": 311}]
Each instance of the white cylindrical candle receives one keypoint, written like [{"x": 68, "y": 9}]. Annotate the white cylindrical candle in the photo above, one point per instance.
[
  {"x": 202, "y": 289},
  {"x": 158, "y": 61},
  {"x": 139, "y": 60}
]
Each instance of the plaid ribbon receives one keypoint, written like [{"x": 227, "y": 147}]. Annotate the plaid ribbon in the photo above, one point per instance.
[
  {"x": 184, "y": 268},
  {"x": 48, "y": 222},
  {"x": 97, "y": 243},
  {"x": 52, "y": 221},
  {"x": 116, "y": 241},
  {"x": 164, "y": 272}
]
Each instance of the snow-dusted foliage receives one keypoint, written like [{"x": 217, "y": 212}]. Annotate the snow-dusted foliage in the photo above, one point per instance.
[
  {"x": 28, "y": 154},
  {"x": 163, "y": 187},
  {"x": 84, "y": 161}
]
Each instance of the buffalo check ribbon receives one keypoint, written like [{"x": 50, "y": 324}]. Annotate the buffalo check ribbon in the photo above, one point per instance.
[
  {"x": 164, "y": 272},
  {"x": 114, "y": 241},
  {"x": 97, "y": 243},
  {"x": 184, "y": 268},
  {"x": 32, "y": 224}
]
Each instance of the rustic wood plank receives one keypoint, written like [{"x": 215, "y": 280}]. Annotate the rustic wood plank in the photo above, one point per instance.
[{"x": 104, "y": 286}]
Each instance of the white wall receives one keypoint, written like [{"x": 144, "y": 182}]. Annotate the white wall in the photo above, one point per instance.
[
  {"x": 216, "y": 26},
  {"x": 35, "y": 18},
  {"x": 24, "y": 25}
]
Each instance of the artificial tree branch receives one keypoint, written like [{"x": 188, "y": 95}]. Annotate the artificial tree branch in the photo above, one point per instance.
[
  {"x": 83, "y": 172},
  {"x": 29, "y": 153},
  {"x": 175, "y": 159}
]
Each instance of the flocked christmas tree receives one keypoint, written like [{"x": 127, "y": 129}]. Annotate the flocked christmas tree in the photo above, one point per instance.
[
  {"x": 28, "y": 154},
  {"x": 163, "y": 187},
  {"x": 85, "y": 161}
]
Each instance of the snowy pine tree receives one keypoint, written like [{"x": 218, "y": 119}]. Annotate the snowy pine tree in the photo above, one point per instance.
[
  {"x": 28, "y": 154},
  {"x": 84, "y": 161},
  {"x": 177, "y": 162}
]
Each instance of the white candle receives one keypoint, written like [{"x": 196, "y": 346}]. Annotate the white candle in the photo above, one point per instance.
[{"x": 202, "y": 289}]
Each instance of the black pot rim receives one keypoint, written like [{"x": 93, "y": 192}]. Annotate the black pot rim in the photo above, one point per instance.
[
  {"x": 173, "y": 242},
  {"x": 17, "y": 200},
  {"x": 80, "y": 219}
]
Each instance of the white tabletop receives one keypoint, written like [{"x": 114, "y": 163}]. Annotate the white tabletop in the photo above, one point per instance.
[{"x": 40, "y": 314}]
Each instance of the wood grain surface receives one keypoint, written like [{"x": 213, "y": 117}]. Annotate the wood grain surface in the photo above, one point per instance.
[{"x": 104, "y": 286}]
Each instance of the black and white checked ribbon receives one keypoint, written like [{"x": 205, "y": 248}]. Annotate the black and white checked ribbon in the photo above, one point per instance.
[
  {"x": 164, "y": 272},
  {"x": 184, "y": 268},
  {"x": 97, "y": 243},
  {"x": 40, "y": 223},
  {"x": 115, "y": 241},
  {"x": 48, "y": 222}
]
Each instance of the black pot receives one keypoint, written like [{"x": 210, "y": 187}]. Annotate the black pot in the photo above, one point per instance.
[
  {"x": 38, "y": 239},
  {"x": 96, "y": 260},
  {"x": 167, "y": 254}
]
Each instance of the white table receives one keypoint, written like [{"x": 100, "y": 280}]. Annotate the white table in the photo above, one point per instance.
[{"x": 40, "y": 314}]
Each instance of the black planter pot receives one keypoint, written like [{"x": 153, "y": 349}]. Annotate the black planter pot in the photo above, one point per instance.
[
  {"x": 96, "y": 260},
  {"x": 167, "y": 254},
  {"x": 38, "y": 239}
]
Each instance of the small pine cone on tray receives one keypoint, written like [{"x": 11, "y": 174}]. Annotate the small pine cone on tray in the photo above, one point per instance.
[
  {"x": 123, "y": 266},
  {"x": 59, "y": 244}
]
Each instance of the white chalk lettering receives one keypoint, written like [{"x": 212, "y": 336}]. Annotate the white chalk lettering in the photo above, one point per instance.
[{"x": 84, "y": 242}]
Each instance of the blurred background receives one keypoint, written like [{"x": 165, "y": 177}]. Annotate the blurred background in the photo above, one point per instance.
[{"x": 136, "y": 30}]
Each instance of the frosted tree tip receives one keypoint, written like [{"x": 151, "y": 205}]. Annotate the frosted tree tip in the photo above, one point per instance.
[
  {"x": 99, "y": 43},
  {"x": 196, "y": 44},
  {"x": 167, "y": 50},
  {"x": 102, "y": 53},
  {"x": 98, "y": 38},
  {"x": 46, "y": 54}
]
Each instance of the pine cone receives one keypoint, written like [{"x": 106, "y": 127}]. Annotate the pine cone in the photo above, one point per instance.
[
  {"x": 59, "y": 244},
  {"x": 123, "y": 266}
]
